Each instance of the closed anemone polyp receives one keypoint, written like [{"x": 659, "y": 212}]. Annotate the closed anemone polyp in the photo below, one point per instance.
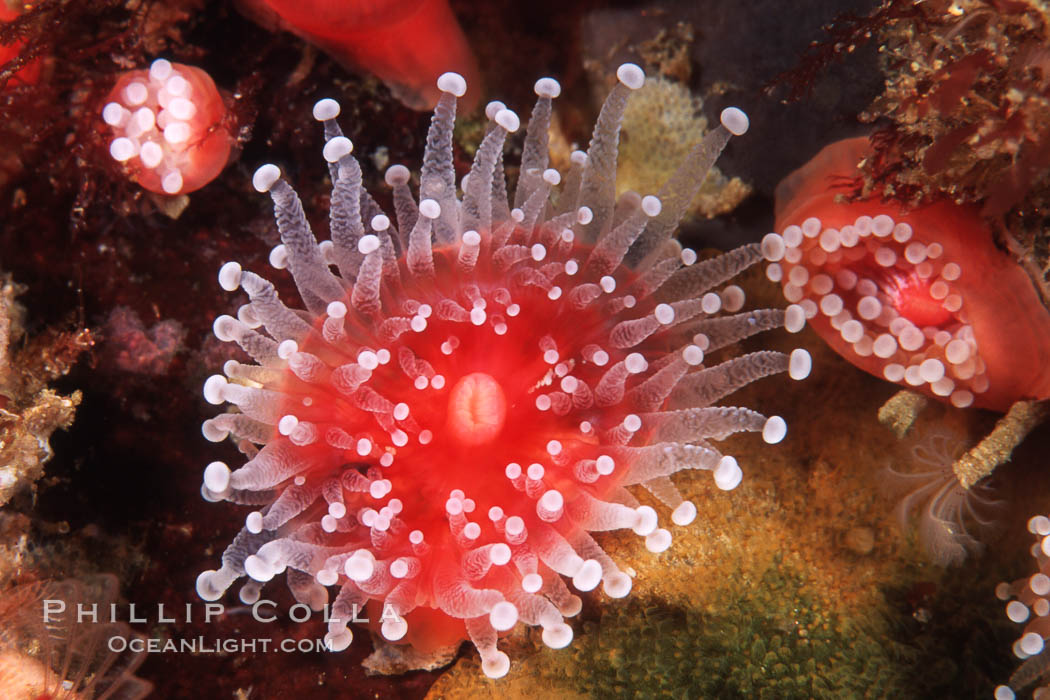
[
  {"x": 469, "y": 391},
  {"x": 168, "y": 127},
  {"x": 918, "y": 296}
]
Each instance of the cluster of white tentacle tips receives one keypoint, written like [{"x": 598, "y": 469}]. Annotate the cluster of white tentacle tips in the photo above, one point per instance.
[
  {"x": 867, "y": 278},
  {"x": 167, "y": 126},
  {"x": 464, "y": 399},
  {"x": 1029, "y": 604}
]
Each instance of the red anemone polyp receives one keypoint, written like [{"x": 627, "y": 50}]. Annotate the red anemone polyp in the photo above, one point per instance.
[
  {"x": 464, "y": 402},
  {"x": 405, "y": 43},
  {"x": 921, "y": 297},
  {"x": 169, "y": 128}
]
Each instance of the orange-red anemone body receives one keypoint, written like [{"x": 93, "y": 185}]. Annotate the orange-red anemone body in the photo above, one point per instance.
[
  {"x": 405, "y": 43},
  {"x": 933, "y": 274}
]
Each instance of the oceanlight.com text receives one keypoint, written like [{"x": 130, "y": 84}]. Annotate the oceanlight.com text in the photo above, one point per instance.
[{"x": 200, "y": 645}]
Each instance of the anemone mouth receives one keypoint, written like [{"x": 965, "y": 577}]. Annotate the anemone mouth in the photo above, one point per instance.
[
  {"x": 912, "y": 296},
  {"x": 477, "y": 409},
  {"x": 887, "y": 299}
]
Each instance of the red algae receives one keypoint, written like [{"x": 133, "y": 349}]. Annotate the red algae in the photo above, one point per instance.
[
  {"x": 28, "y": 74},
  {"x": 407, "y": 45},
  {"x": 130, "y": 347},
  {"x": 919, "y": 296}
]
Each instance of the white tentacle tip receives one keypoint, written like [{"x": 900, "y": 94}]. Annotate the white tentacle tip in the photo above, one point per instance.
[
  {"x": 265, "y": 177},
  {"x": 684, "y": 514},
  {"x": 588, "y": 577},
  {"x": 734, "y": 119},
  {"x": 122, "y": 149},
  {"x": 217, "y": 477},
  {"x": 393, "y": 630},
  {"x": 617, "y": 585},
  {"x": 493, "y": 108},
  {"x": 337, "y": 148},
  {"x": 213, "y": 392},
  {"x": 800, "y": 364},
  {"x": 160, "y": 69},
  {"x": 547, "y": 87},
  {"x": 338, "y": 641},
  {"x": 794, "y": 318},
  {"x": 287, "y": 424},
  {"x": 326, "y": 109},
  {"x": 774, "y": 430},
  {"x": 278, "y": 258},
  {"x": 658, "y": 541},
  {"x": 230, "y": 276},
  {"x": 429, "y": 209},
  {"x": 652, "y": 206},
  {"x": 254, "y": 524},
  {"x": 693, "y": 355},
  {"x": 397, "y": 175},
  {"x": 257, "y": 568},
  {"x": 728, "y": 474},
  {"x": 646, "y": 523},
  {"x": 635, "y": 363},
  {"x": 557, "y": 636},
  {"x": 496, "y": 666},
  {"x": 206, "y": 588},
  {"x": 531, "y": 583},
  {"x": 507, "y": 119},
  {"x": 631, "y": 75},
  {"x": 773, "y": 247},
  {"x": 452, "y": 83},
  {"x": 368, "y": 244},
  {"x": 503, "y": 616}
]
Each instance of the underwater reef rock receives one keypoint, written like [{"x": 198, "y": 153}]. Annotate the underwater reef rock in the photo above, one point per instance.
[{"x": 29, "y": 410}]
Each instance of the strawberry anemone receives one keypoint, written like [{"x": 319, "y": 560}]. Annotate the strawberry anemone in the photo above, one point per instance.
[
  {"x": 921, "y": 297},
  {"x": 405, "y": 43},
  {"x": 169, "y": 127},
  {"x": 465, "y": 400}
]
